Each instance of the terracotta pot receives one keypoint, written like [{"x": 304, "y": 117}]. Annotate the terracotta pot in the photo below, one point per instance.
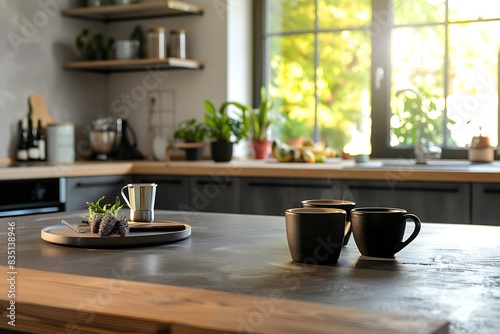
[
  {"x": 222, "y": 151},
  {"x": 296, "y": 142},
  {"x": 260, "y": 148}
]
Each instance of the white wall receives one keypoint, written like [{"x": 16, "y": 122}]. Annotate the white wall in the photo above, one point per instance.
[
  {"x": 35, "y": 42},
  {"x": 219, "y": 38}
]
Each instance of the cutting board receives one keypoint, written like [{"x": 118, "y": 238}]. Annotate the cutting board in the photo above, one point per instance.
[
  {"x": 39, "y": 111},
  {"x": 62, "y": 235}
]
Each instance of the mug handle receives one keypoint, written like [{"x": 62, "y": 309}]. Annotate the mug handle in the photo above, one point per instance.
[
  {"x": 125, "y": 197},
  {"x": 418, "y": 224}
]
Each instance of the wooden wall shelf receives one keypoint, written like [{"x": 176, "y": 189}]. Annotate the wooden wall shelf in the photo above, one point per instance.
[
  {"x": 116, "y": 65},
  {"x": 138, "y": 10}
]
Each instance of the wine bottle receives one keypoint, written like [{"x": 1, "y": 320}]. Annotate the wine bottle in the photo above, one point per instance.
[
  {"x": 41, "y": 142},
  {"x": 22, "y": 145},
  {"x": 33, "y": 151}
]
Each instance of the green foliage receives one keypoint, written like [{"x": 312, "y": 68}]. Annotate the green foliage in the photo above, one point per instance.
[
  {"x": 93, "y": 46},
  {"x": 107, "y": 209},
  {"x": 416, "y": 114},
  {"x": 260, "y": 117},
  {"x": 191, "y": 131},
  {"x": 293, "y": 127},
  {"x": 223, "y": 127},
  {"x": 342, "y": 87}
]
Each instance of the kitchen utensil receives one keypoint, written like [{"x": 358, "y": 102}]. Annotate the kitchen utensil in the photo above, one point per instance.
[
  {"x": 163, "y": 226},
  {"x": 141, "y": 201},
  {"x": 39, "y": 110},
  {"x": 126, "y": 49},
  {"x": 76, "y": 229},
  {"x": 113, "y": 140},
  {"x": 159, "y": 141},
  {"x": 60, "y": 234},
  {"x": 61, "y": 142},
  {"x": 481, "y": 149}
]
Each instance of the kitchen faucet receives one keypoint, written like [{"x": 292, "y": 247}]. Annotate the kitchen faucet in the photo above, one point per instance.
[{"x": 420, "y": 145}]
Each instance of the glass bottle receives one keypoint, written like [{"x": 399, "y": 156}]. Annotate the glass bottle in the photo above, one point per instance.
[{"x": 22, "y": 145}]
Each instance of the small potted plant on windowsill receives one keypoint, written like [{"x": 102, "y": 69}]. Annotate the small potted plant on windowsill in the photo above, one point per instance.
[
  {"x": 293, "y": 131},
  {"x": 260, "y": 120},
  {"x": 193, "y": 133},
  {"x": 224, "y": 129}
]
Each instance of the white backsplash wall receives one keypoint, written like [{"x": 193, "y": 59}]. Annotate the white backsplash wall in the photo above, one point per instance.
[
  {"x": 35, "y": 42},
  {"x": 207, "y": 41}
]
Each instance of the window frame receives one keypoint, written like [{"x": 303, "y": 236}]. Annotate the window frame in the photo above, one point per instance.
[{"x": 380, "y": 58}]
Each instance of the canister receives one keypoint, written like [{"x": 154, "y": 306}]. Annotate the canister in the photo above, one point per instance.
[
  {"x": 61, "y": 142},
  {"x": 156, "y": 43},
  {"x": 178, "y": 43}
]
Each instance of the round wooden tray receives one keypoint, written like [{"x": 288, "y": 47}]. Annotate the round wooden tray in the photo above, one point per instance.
[{"x": 62, "y": 235}]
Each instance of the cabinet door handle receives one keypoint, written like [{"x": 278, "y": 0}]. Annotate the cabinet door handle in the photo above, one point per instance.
[
  {"x": 491, "y": 191},
  {"x": 426, "y": 189},
  {"x": 216, "y": 183},
  {"x": 162, "y": 182},
  {"x": 99, "y": 184},
  {"x": 281, "y": 185}
]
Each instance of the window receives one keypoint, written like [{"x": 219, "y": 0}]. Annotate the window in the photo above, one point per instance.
[{"x": 334, "y": 67}]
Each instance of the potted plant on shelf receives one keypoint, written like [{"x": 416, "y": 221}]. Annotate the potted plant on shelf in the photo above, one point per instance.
[
  {"x": 93, "y": 47},
  {"x": 260, "y": 120},
  {"x": 193, "y": 133},
  {"x": 225, "y": 129}
]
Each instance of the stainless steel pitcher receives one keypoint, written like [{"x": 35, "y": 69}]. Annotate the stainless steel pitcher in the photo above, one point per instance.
[{"x": 141, "y": 201}]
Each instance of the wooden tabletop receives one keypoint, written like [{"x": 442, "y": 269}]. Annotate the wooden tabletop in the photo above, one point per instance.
[{"x": 450, "y": 273}]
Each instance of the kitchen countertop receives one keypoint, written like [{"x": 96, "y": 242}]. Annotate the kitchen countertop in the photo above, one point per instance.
[
  {"x": 449, "y": 272},
  {"x": 394, "y": 170}
]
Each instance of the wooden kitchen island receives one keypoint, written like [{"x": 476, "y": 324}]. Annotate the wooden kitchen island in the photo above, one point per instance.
[{"x": 234, "y": 274}]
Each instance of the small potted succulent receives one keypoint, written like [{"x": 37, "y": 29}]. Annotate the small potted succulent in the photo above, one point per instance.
[
  {"x": 225, "y": 130},
  {"x": 192, "y": 132}
]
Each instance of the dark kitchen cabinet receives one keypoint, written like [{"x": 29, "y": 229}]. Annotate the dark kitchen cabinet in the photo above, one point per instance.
[
  {"x": 485, "y": 204},
  {"x": 217, "y": 193},
  {"x": 81, "y": 190},
  {"x": 171, "y": 192},
  {"x": 430, "y": 201},
  {"x": 266, "y": 196}
]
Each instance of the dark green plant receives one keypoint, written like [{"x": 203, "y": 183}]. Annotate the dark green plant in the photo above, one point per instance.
[
  {"x": 191, "y": 131},
  {"x": 95, "y": 46},
  {"x": 260, "y": 117},
  {"x": 223, "y": 127}
]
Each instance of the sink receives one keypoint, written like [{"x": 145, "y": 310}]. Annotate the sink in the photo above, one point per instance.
[{"x": 409, "y": 164}]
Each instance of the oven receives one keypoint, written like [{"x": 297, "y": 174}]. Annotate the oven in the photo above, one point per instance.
[{"x": 32, "y": 196}]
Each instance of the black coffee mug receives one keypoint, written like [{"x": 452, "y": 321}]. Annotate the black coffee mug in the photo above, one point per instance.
[
  {"x": 315, "y": 235},
  {"x": 379, "y": 232},
  {"x": 335, "y": 204}
]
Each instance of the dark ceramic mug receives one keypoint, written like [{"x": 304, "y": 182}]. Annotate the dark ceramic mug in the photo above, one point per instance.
[
  {"x": 335, "y": 204},
  {"x": 315, "y": 235},
  {"x": 379, "y": 232}
]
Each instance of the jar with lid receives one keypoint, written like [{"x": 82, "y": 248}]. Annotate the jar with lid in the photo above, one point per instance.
[
  {"x": 156, "y": 43},
  {"x": 178, "y": 43}
]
